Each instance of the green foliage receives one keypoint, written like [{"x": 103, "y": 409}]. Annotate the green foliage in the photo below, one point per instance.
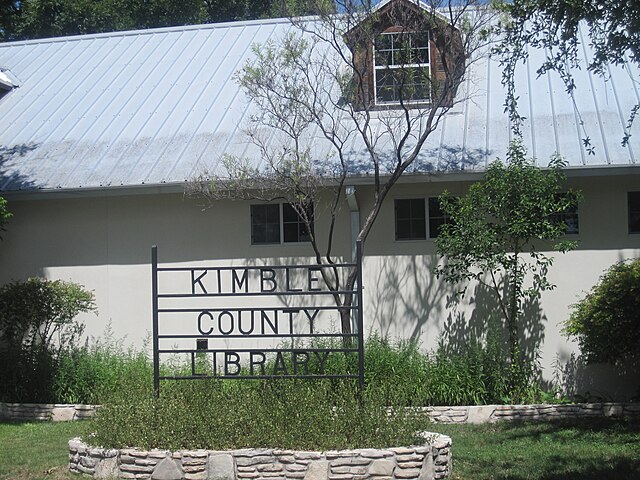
[
  {"x": 51, "y": 18},
  {"x": 611, "y": 32},
  {"x": 498, "y": 222},
  {"x": 280, "y": 413},
  {"x": 37, "y": 323},
  {"x": 5, "y": 215},
  {"x": 37, "y": 310},
  {"x": 607, "y": 321}
]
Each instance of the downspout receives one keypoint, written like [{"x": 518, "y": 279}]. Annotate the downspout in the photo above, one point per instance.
[{"x": 352, "y": 201}]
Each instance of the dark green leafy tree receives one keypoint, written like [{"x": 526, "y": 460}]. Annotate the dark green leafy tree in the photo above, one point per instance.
[
  {"x": 610, "y": 27},
  {"x": 52, "y": 18},
  {"x": 498, "y": 233},
  {"x": 606, "y": 322}
]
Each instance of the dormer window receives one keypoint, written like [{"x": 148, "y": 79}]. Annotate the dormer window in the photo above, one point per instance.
[
  {"x": 404, "y": 54},
  {"x": 402, "y": 69}
]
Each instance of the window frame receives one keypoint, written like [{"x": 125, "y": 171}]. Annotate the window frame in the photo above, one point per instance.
[
  {"x": 400, "y": 67},
  {"x": 281, "y": 224},
  {"x": 561, "y": 217},
  {"x": 410, "y": 219},
  {"x": 434, "y": 231}
]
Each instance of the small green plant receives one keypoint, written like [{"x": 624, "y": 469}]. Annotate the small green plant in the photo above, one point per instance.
[
  {"x": 5, "y": 214},
  {"x": 606, "y": 322}
]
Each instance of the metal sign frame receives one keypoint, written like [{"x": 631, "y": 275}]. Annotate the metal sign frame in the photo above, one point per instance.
[{"x": 232, "y": 353}]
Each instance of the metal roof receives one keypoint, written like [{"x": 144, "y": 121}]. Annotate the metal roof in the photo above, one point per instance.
[{"x": 160, "y": 106}]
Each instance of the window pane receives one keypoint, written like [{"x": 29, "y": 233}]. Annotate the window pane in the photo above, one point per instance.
[
  {"x": 437, "y": 217},
  {"x": 410, "y": 219},
  {"x": 265, "y": 223},
  {"x": 569, "y": 218},
  {"x": 294, "y": 226},
  {"x": 633, "y": 203}
]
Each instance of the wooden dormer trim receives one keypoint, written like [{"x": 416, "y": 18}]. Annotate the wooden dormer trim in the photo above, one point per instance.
[{"x": 446, "y": 54}]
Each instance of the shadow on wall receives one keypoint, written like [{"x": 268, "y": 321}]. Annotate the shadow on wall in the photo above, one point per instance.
[
  {"x": 484, "y": 317},
  {"x": 408, "y": 296},
  {"x": 10, "y": 179},
  {"x": 597, "y": 382}
]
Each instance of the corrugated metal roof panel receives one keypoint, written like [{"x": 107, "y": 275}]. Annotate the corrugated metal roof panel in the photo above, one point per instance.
[{"x": 156, "y": 106}]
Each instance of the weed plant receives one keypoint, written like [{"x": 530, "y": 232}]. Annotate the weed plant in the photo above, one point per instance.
[{"x": 217, "y": 414}]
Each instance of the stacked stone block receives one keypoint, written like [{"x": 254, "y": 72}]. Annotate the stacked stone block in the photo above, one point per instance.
[
  {"x": 493, "y": 413},
  {"x": 427, "y": 462},
  {"x": 46, "y": 411},
  {"x": 467, "y": 414}
]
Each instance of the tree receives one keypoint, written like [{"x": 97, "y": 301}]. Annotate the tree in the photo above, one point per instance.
[
  {"x": 606, "y": 322},
  {"x": 5, "y": 215},
  {"x": 314, "y": 92},
  {"x": 496, "y": 231},
  {"x": 613, "y": 34},
  {"x": 51, "y": 18}
]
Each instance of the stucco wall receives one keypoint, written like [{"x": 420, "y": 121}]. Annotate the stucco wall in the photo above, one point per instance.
[{"x": 104, "y": 243}]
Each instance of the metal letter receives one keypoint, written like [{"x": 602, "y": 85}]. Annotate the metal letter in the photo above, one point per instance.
[
  {"x": 311, "y": 318},
  {"x": 239, "y": 281},
  {"x": 228, "y": 361},
  {"x": 225, "y": 312},
  {"x": 253, "y": 362},
  {"x": 321, "y": 359},
  {"x": 208, "y": 314},
  {"x": 279, "y": 365},
  {"x": 313, "y": 279},
  {"x": 195, "y": 281},
  {"x": 271, "y": 278},
  {"x": 296, "y": 362},
  {"x": 274, "y": 326},
  {"x": 250, "y": 331}
]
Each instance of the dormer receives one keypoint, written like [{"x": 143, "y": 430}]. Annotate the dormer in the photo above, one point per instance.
[
  {"x": 8, "y": 81},
  {"x": 405, "y": 54}
]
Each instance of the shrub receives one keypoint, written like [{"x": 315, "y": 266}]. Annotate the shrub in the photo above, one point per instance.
[
  {"x": 34, "y": 312},
  {"x": 218, "y": 414},
  {"x": 37, "y": 323},
  {"x": 606, "y": 322}
]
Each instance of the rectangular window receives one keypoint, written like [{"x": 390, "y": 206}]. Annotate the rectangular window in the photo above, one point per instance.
[
  {"x": 633, "y": 206},
  {"x": 410, "y": 219},
  {"x": 570, "y": 220},
  {"x": 437, "y": 217},
  {"x": 275, "y": 223},
  {"x": 402, "y": 69},
  {"x": 265, "y": 223},
  {"x": 293, "y": 225}
]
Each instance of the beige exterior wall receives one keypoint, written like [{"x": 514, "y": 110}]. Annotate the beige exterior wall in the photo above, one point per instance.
[{"x": 104, "y": 243}]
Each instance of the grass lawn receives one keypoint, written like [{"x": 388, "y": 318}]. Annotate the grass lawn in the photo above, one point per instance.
[
  {"x": 38, "y": 450},
  {"x": 577, "y": 450},
  {"x": 585, "y": 450}
]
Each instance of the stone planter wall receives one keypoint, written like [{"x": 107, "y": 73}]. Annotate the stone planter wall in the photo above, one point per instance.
[
  {"x": 428, "y": 462},
  {"x": 45, "y": 411},
  {"x": 466, "y": 414},
  {"x": 493, "y": 413}
]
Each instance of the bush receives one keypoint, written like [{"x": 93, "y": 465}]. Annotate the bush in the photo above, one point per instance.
[
  {"x": 35, "y": 312},
  {"x": 218, "y": 414},
  {"x": 606, "y": 322},
  {"x": 37, "y": 324}
]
